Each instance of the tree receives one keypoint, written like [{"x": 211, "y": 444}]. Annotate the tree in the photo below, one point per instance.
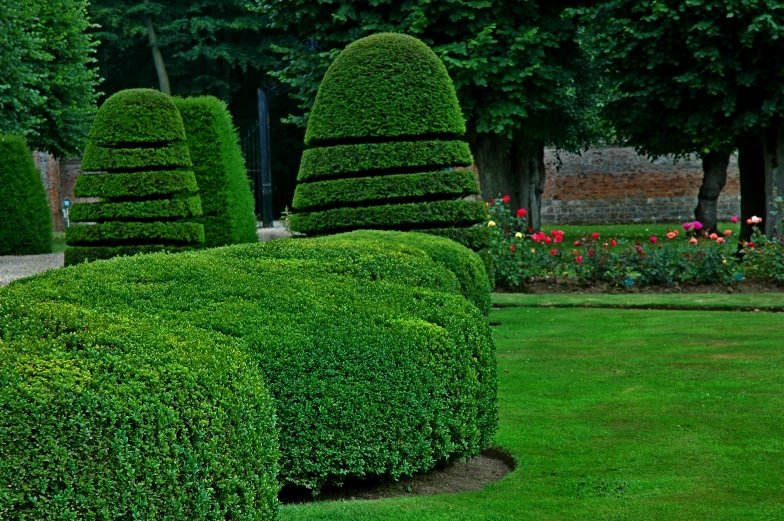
[
  {"x": 698, "y": 76},
  {"x": 522, "y": 80},
  {"x": 47, "y": 81}
]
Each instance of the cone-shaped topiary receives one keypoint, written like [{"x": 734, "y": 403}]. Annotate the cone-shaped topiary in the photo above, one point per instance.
[
  {"x": 214, "y": 147},
  {"x": 385, "y": 135},
  {"x": 137, "y": 164},
  {"x": 25, "y": 217}
]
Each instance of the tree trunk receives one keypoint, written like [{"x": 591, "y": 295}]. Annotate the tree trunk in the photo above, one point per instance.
[
  {"x": 773, "y": 157},
  {"x": 157, "y": 57},
  {"x": 714, "y": 177},
  {"x": 751, "y": 166},
  {"x": 511, "y": 167}
]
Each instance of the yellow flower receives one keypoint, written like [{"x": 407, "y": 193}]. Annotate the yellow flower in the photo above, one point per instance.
[
  {"x": 533, "y": 250},
  {"x": 491, "y": 223},
  {"x": 519, "y": 235}
]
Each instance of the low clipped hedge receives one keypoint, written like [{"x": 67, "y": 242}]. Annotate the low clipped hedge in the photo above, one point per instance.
[
  {"x": 377, "y": 366},
  {"x": 388, "y": 85},
  {"x": 404, "y": 216},
  {"x": 389, "y": 188},
  {"x": 229, "y": 210},
  {"x": 344, "y": 160},
  {"x": 136, "y": 233},
  {"x": 136, "y": 184},
  {"x": 111, "y": 416},
  {"x": 476, "y": 238},
  {"x": 79, "y": 254},
  {"x": 465, "y": 264},
  {"x": 25, "y": 217}
]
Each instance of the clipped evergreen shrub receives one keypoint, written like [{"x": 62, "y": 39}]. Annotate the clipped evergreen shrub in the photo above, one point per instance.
[
  {"x": 377, "y": 365},
  {"x": 120, "y": 416},
  {"x": 138, "y": 166},
  {"x": 25, "y": 217},
  {"x": 227, "y": 202},
  {"x": 384, "y": 136}
]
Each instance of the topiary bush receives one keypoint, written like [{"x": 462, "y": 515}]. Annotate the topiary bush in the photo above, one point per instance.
[
  {"x": 384, "y": 136},
  {"x": 227, "y": 202},
  {"x": 25, "y": 217},
  {"x": 138, "y": 165},
  {"x": 124, "y": 416},
  {"x": 377, "y": 365}
]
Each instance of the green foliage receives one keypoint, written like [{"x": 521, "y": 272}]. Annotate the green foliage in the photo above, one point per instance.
[
  {"x": 47, "y": 83},
  {"x": 404, "y": 216},
  {"x": 135, "y": 184},
  {"x": 475, "y": 238},
  {"x": 25, "y": 218},
  {"x": 135, "y": 116},
  {"x": 115, "y": 233},
  {"x": 157, "y": 207},
  {"x": 465, "y": 264},
  {"x": 229, "y": 212},
  {"x": 340, "y": 160},
  {"x": 374, "y": 372},
  {"x": 398, "y": 86},
  {"x": 80, "y": 254},
  {"x": 364, "y": 190},
  {"x": 111, "y": 416}
]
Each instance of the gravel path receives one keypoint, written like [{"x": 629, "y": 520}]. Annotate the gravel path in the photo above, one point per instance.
[{"x": 14, "y": 267}]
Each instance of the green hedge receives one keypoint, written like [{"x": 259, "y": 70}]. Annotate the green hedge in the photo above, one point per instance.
[
  {"x": 80, "y": 254},
  {"x": 467, "y": 266},
  {"x": 118, "y": 233},
  {"x": 183, "y": 207},
  {"x": 372, "y": 373},
  {"x": 345, "y": 160},
  {"x": 109, "y": 416},
  {"x": 389, "y": 217},
  {"x": 137, "y": 116},
  {"x": 476, "y": 238},
  {"x": 25, "y": 217},
  {"x": 363, "y": 190},
  {"x": 229, "y": 208},
  {"x": 99, "y": 159},
  {"x": 389, "y": 85},
  {"x": 136, "y": 184}
]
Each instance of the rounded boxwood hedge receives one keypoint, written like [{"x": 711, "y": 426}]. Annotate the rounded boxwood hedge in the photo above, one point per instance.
[
  {"x": 376, "y": 364},
  {"x": 114, "y": 416},
  {"x": 384, "y": 137},
  {"x": 139, "y": 167},
  {"x": 25, "y": 217},
  {"x": 227, "y": 202}
]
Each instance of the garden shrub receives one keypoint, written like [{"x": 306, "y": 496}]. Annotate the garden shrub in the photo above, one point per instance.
[
  {"x": 464, "y": 263},
  {"x": 384, "y": 136},
  {"x": 113, "y": 416},
  {"x": 227, "y": 202},
  {"x": 138, "y": 165},
  {"x": 377, "y": 367},
  {"x": 25, "y": 217}
]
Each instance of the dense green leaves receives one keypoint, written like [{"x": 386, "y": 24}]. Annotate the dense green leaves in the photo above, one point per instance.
[
  {"x": 133, "y": 117},
  {"x": 98, "y": 158},
  {"x": 25, "y": 218},
  {"x": 214, "y": 148},
  {"x": 135, "y": 184},
  {"x": 155, "y": 209},
  {"x": 115, "y": 232},
  {"x": 47, "y": 83}
]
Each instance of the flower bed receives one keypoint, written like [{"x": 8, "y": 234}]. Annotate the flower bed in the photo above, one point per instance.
[{"x": 690, "y": 255}]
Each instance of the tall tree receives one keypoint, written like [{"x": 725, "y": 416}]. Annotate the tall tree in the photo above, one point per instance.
[
  {"x": 698, "y": 76},
  {"x": 522, "y": 80},
  {"x": 47, "y": 81}
]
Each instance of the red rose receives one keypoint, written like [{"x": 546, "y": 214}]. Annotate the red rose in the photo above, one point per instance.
[
  {"x": 558, "y": 238},
  {"x": 522, "y": 212},
  {"x": 547, "y": 240},
  {"x": 578, "y": 243},
  {"x": 595, "y": 235},
  {"x": 591, "y": 253},
  {"x": 492, "y": 201},
  {"x": 513, "y": 247},
  {"x": 614, "y": 242},
  {"x": 579, "y": 259},
  {"x": 553, "y": 252},
  {"x": 505, "y": 198}
]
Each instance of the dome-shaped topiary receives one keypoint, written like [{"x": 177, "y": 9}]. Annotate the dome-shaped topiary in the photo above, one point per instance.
[
  {"x": 385, "y": 136},
  {"x": 141, "y": 174},
  {"x": 25, "y": 217}
]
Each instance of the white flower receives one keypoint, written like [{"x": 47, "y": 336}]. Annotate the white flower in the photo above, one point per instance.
[
  {"x": 519, "y": 235},
  {"x": 491, "y": 223}
]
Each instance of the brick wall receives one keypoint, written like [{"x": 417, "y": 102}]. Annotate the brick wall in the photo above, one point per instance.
[
  {"x": 58, "y": 177},
  {"x": 616, "y": 185}
]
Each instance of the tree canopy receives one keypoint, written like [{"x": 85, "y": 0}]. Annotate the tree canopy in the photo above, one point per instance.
[{"x": 47, "y": 81}]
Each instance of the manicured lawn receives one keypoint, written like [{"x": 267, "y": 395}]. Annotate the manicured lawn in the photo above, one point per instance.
[
  {"x": 719, "y": 301},
  {"x": 619, "y": 414}
]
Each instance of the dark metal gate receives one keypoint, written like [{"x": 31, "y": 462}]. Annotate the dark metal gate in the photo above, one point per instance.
[{"x": 255, "y": 147}]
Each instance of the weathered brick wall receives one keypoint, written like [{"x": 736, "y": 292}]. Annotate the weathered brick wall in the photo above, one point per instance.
[
  {"x": 616, "y": 185},
  {"x": 58, "y": 177}
]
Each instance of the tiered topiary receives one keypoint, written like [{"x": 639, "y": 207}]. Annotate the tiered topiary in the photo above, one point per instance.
[
  {"x": 384, "y": 137},
  {"x": 226, "y": 199},
  {"x": 138, "y": 165},
  {"x": 25, "y": 218}
]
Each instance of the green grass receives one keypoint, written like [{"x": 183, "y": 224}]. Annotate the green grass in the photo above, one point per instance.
[
  {"x": 717, "y": 301},
  {"x": 617, "y": 414},
  {"x": 630, "y": 232}
]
